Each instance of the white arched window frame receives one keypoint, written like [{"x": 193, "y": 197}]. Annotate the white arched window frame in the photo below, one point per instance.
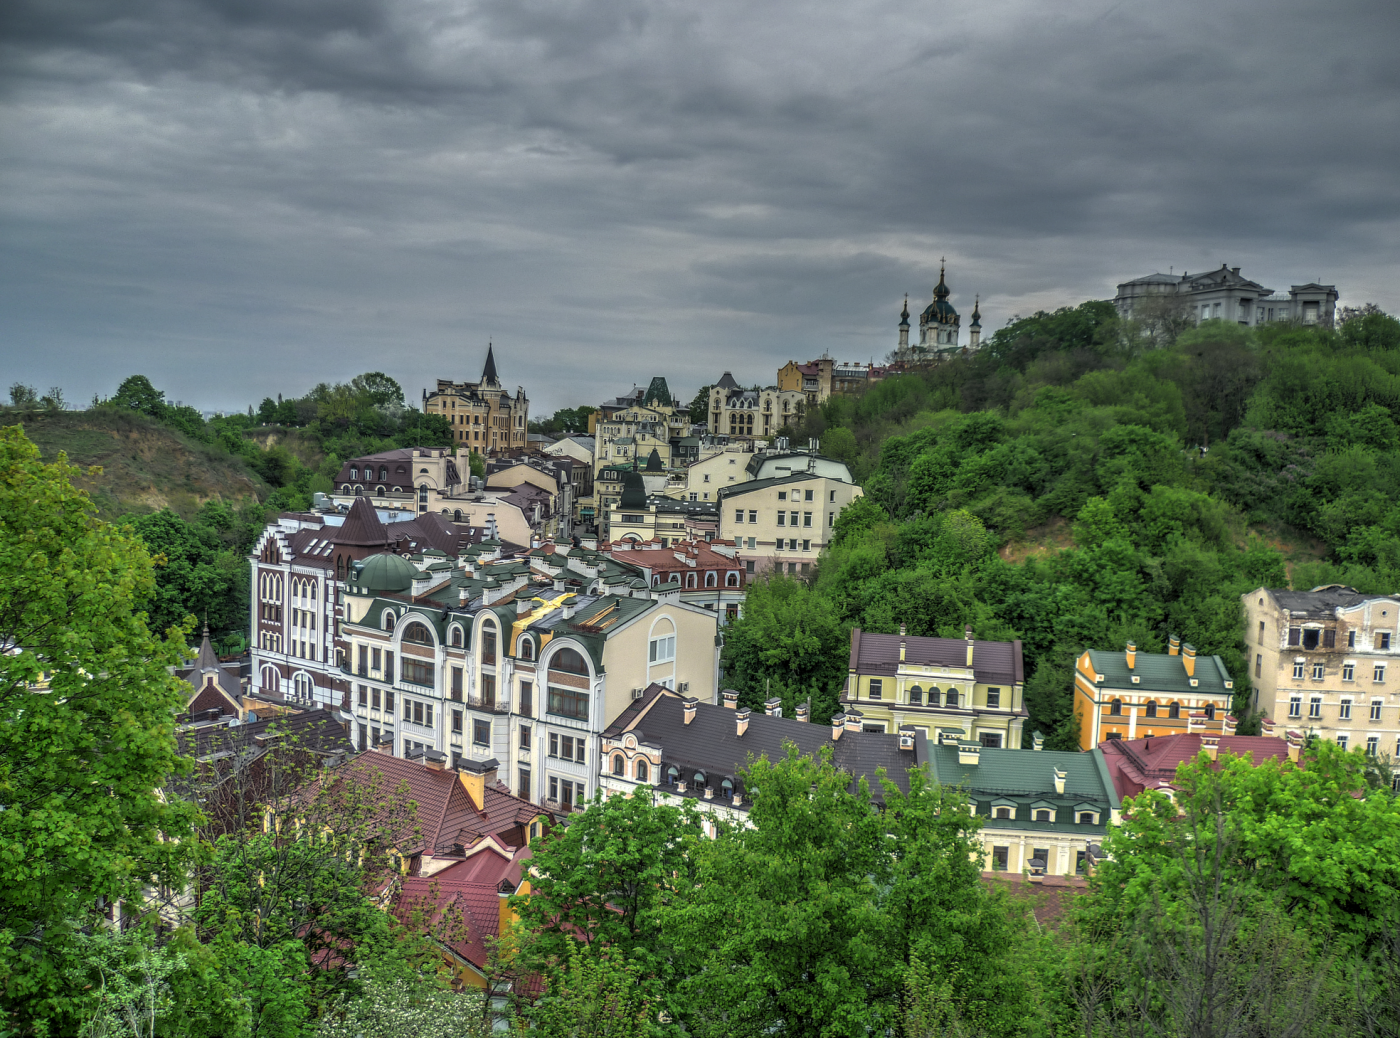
[{"x": 389, "y": 619}]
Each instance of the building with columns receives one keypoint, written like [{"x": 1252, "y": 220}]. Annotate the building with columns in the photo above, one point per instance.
[
  {"x": 1131, "y": 694},
  {"x": 1227, "y": 295}
]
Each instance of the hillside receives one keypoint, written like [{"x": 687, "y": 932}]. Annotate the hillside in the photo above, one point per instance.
[{"x": 146, "y": 466}]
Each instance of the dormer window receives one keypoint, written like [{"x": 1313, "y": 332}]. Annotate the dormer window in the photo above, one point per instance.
[
  {"x": 1002, "y": 812},
  {"x": 1044, "y": 816}
]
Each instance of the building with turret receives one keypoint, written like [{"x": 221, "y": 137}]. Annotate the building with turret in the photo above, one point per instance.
[
  {"x": 940, "y": 328},
  {"x": 485, "y": 418}
]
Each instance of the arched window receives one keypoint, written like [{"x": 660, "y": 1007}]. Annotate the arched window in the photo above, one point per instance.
[
  {"x": 418, "y": 634},
  {"x": 619, "y": 764},
  {"x": 690, "y": 580},
  {"x": 383, "y": 472},
  {"x": 270, "y": 678},
  {"x": 359, "y": 490},
  {"x": 379, "y": 490},
  {"x": 726, "y": 788},
  {"x": 302, "y": 685},
  {"x": 488, "y": 643},
  {"x": 354, "y": 472},
  {"x": 673, "y": 775},
  {"x": 569, "y": 661},
  {"x": 456, "y": 515},
  {"x": 643, "y": 772},
  {"x": 731, "y": 579},
  {"x": 1115, "y": 708},
  {"x": 952, "y": 699},
  {"x": 456, "y": 637},
  {"x": 389, "y": 619},
  {"x": 345, "y": 488},
  {"x": 1152, "y": 709},
  {"x": 934, "y": 696},
  {"x": 1174, "y": 711},
  {"x": 699, "y": 780},
  {"x": 916, "y": 696},
  {"x": 711, "y": 580},
  {"x": 527, "y": 648}
]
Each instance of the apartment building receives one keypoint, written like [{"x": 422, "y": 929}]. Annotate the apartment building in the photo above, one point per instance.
[
  {"x": 485, "y": 418},
  {"x": 752, "y": 413},
  {"x": 1325, "y": 662},
  {"x": 1227, "y": 295},
  {"x": 783, "y": 523},
  {"x": 1131, "y": 694},
  {"x": 967, "y": 688}
]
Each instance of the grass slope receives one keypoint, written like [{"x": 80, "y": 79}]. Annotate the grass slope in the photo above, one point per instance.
[{"x": 145, "y": 466}]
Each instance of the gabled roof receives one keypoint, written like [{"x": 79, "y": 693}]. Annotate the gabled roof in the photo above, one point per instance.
[
  {"x": 1138, "y": 764},
  {"x": 362, "y": 527},
  {"x": 993, "y": 663}
]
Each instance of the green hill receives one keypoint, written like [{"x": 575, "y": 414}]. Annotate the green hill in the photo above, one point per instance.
[{"x": 146, "y": 466}]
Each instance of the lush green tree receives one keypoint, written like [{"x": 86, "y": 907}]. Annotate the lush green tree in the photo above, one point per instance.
[
  {"x": 87, "y": 710},
  {"x": 137, "y": 394},
  {"x": 196, "y": 574},
  {"x": 392, "y": 1006},
  {"x": 23, "y": 396},
  {"x": 595, "y": 996},
  {"x": 699, "y": 408}
]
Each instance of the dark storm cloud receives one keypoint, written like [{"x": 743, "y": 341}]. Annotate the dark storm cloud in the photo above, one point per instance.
[{"x": 247, "y": 196}]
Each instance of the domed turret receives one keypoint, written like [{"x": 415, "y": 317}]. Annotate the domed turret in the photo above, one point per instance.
[
  {"x": 386, "y": 572},
  {"x": 938, "y": 324}
]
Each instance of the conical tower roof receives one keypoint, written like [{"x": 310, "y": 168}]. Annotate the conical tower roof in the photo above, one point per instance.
[
  {"x": 206, "y": 660},
  {"x": 488, "y": 373},
  {"x": 977, "y": 312},
  {"x": 940, "y": 290},
  {"x": 904, "y": 314},
  {"x": 362, "y": 526}
]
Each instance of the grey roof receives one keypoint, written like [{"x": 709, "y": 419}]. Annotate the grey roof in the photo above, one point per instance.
[
  {"x": 763, "y": 484},
  {"x": 711, "y": 743},
  {"x": 1156, "y": 279},
  {"x": 1321, "y": 602},
  {"x": 992, "y": 662},
  {"x": 726, "y": 381}
]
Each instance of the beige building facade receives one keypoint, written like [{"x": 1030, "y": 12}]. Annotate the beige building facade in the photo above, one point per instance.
[
  {"x": 485, "y": 418},
  {"x": 1326, "y": 662},
  {"x": 783, "y": 524}
]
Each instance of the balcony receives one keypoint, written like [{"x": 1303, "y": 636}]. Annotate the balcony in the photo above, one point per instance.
[{"x": 490, "y": 705}]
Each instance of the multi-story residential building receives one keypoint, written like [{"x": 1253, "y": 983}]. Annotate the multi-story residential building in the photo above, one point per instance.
[
  {"x": 408, "y": 480},
  {"x": 637, "y": 515},
  {"x": 558, "y": 478},
  {"x": 1128, "y": 694},
  {"x": 780, "y": 460},
  {"x": 678, "y": 748},
  {"x": 823, "y": 378},
  {"x": 525, "y": 662},
  {"x": 712, "y": 469},
  {"x": 708, "y": 573},
  {"x": 784, "y": 522},
  {"x": 1043, "y": 813},
  {"x": 1325, "y": 662},
  {"x": 1226, "y": 295},
  {"x": 968, "y": 689},
  {"x": 752, "y": 413},
  {"x": 485, "y": 418},
  {"x": 299, "y": 564}
]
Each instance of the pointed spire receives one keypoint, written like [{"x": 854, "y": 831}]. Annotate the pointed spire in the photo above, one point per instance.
[
  {"x": 940, "y": 290},
  {"x": 904, "y": 314},
  {"x": 977, "y": 311},
  {"x": 488, "y": 373},
  {"x": 206, "y": 660},
  {"x": 362, "y": 527}
]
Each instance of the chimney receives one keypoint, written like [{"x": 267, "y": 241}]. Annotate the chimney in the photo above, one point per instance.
[
  {"x": 906, "y": 737},
  {"x": 741, "y": 722},
  {"x": 967, "y": 634},
  {"x": 773, "y": 707},
  {"x": 1211, "y": 744},
  {"x": 1174, "y": 645},
  {"x": 522, "y": 606},
  {"x": 1060, "y": 777},
  {"x": 853, "y": 720},
  {"x": 569, "y": 603},
  {"x": 436, "y": 760},
  {"x": 901, "y": 643},
  {"x": 838, "y": 725},
  {"x": 1188, "y": 659},
  {"x": 709, "y": 791},
  {"x": 504, "y": 916},
  {"x": 1195, "y": 720},
  {"x": 1037, "y": 741},
  {"x": 1268, "y": 727},
  {"x": 804, "y": 711},
  {"x": 731, "y": 699},
  {"x": 476, "y": 777},
  {"x": 1295, "y": 745},
  {"x": 1132, "y": 655},
  {"x": 688, "y": 706}
]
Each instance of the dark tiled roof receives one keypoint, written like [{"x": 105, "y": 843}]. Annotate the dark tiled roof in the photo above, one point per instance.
[
  {"x": 362, "y": 527},
  {"x": 1321, "y": 602},
  {"x": 763, "y": 484},
  {"x": 726, "y": 381},
  {"x": 711, "y": 743},
  {"x": 992, "y": 662}
]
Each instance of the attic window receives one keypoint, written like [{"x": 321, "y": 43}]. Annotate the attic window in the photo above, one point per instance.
[
  {"x": 1043, "y": 816},
  {"x": 1003, "y": 812}
]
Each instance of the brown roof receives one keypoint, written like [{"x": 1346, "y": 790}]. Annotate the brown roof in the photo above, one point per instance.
[
  {"x": 1138, "y": 764},
  {"x": 362, "y": 526},
  {"x": 992, "y": 662}
]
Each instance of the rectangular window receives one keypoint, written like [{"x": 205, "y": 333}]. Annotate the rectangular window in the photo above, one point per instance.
[
  {"x": 457, "y": 721},
  {"x": 364, "y": 696},
  {"x": 527, "y": 699},
  {"x": 457, "y": 683},
  {"x": 1315, "y": 706},
  {"x": 806, "y": 495},
  {"x": 1298, "y": 669},
  {"x": 833, "y": 495},
  {"x": 481, "y": 733},
  {"x": 1258, "y": 665},
  {"x": 553, "y": 788},
  {"x": 554, "y": 744},
  {"x": 488, "y": 646},
  {"x": 753, "y": 515},
  {"x": 1373, "y": 746},
  {"x": 779, "y": 544},
  {"x": 807, "y": 519},
  {"x": 662, "y": 650},
  {"x": 364, "y": 735},
  {"x": 1348, "y": 672},
  {"x": 1375, "y": 709},
  {"x": 782, "y": 518},
  {"x": 389, "y": 701},
  {"x": 1342, "y": 740},
  {"x": 738, "y": 515},
  {"x": 374, "y": 660},
  {"x": 992, "y": 740},
  {"x": 524, "y": 736},
  {"x": 1261, "y": 632},
  {"x": 522, "y": 787},
  {"x": 1344, "y": 710},
  {"x": 793, "y": 516},
  {"x": 830, "y": 518},
  {"x": 782, "y": 495},
  {"x": 1317, "y": 672},
  {"x": 389, "y": 667},
  {"x": 417, "y": 672},
  {"x": 1378, "y": 673},
  {"x": 579, "y": 795},
  {"x": 1000, "y": 858},
  {"x": 1295, "y": 635},
  {"x": 581, "y": 750},
  {"x": 364, "y": 664},
  {"x": 806, "y": 546},
  {"x": 488, "y": 690},
  {"x": 1382, "y": 639},
  {"x": 1351, "y": 639},
  {"x": 1081, "y": 861},
  {"x": 1329, "y": 639},
  {"x": 568, "y": 702},
  {"x": 1295, "y": 706},
  {"x": 413, "y": 712},
  {"x": 877, "y": 688},
  {"x": 994, "y": 698}
]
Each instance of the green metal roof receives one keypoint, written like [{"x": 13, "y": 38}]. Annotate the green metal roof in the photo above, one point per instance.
[
  {"x": 1027, "y": 777},
  {"x": 1161, "y": 672}
]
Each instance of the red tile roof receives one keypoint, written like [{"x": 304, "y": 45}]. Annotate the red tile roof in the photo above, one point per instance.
[{"x": 1138, "y": 764}]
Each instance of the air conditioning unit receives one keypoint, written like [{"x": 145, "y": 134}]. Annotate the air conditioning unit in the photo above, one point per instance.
[
  {"x": 637, "y": 693},
  {"x": 684, "y": 686}
]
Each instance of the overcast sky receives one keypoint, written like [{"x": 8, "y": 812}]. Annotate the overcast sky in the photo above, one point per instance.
[{"x": 245, "y": 197}]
